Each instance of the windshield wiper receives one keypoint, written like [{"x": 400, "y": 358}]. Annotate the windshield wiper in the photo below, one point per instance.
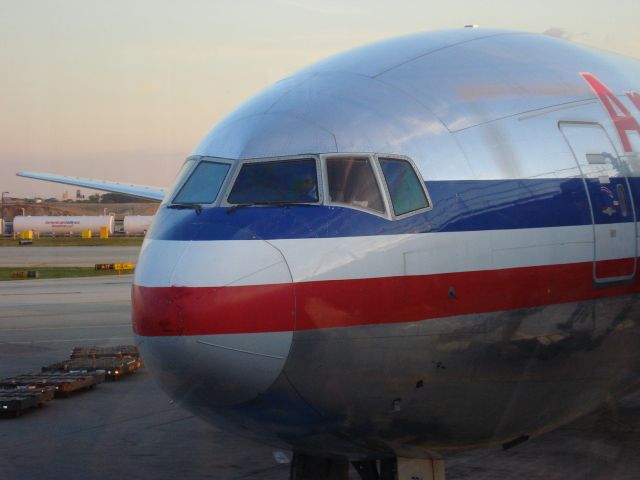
[
  {"x": 234, "y": 207},
  {"x": 181, "y": 206}
]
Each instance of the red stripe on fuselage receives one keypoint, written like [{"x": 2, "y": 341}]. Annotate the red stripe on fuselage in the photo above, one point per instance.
[
  {"x": 615, "y": 268},
  {"x": 171, "y": 311},
  {"x": 166, "y": 311}
]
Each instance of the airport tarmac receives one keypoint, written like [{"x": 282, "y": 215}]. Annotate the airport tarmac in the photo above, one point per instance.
[
  {"x": 130, "y": 429},
  {"x": 124, "y": 429},
  {"x": 30, "y": 256}
]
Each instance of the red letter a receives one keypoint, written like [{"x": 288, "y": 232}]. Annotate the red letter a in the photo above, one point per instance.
[
  {"x": 635, "y": 99},
  {"x": 621, "y": 117}
]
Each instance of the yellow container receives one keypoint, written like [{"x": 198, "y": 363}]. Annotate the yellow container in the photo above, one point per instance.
[
  {"x": 86, "y": 234},
  {"x": 104, "y": 232},
  {"x": 26, "y": 235}
]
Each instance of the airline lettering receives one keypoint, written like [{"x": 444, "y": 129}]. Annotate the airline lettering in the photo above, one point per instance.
[
  {"x": 621, "y": 117},
  {"x": 635, "y": 99}
]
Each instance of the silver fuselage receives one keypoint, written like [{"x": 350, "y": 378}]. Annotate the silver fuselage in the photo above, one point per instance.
[{"x": 509, "y": 308}]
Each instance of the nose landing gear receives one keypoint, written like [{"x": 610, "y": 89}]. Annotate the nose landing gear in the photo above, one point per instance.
[
  {"x": 307, "y": 467},
  {"x": 385, "y": 469}
]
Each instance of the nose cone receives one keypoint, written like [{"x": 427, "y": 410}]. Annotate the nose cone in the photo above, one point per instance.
[{"x": 213, "y": 319}]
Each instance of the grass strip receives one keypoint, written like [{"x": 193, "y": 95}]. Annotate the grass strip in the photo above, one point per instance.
[
  {"x": 76, "y": 242},
  {"x": 59, "y": 272}
]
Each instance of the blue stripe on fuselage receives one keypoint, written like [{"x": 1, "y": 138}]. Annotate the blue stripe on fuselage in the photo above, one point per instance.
[{"x": 468, "y": 205}]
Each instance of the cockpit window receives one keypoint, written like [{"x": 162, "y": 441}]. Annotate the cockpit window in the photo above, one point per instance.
[
  {"x": 281, "y": 181},
  {"x": 180, "y": 178},
  {"x": 352, "y": 182},
  {"x": 204, "y": 183},
  {"x": 407, "y": 193}
]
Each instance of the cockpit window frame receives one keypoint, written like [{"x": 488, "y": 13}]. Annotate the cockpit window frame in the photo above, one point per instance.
[
  {"x": 235, "y": 172},
  {"x": 322, "y": 179},
  {"x": 183, "y": 174},
  {"x": 387, "y": 192},
  {"x": 197, "y": 160}
]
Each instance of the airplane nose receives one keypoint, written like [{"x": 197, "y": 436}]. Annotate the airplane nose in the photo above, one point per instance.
[{"x": 213, "y": 319}]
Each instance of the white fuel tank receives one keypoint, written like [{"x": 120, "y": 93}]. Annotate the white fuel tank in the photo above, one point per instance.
[
  {"x": 63, "y": 225},
  {"x": 136, "y": 224}
]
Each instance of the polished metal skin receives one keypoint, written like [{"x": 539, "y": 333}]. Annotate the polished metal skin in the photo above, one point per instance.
[
  {"x": 514, "y": 346},
  {"x": 464, "y": 105},
  {"x": 451, "y": 101}
]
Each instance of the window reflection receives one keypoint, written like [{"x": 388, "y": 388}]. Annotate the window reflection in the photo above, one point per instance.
[
  {"x": 352, "y": 182},
  {"x": 203, "y": 184},
  {"x": 407, "y": 194},
  {"x": 289, "y": 181}
]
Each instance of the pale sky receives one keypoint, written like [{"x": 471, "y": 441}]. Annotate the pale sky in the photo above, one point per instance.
[{"x": 124, "y": 89}]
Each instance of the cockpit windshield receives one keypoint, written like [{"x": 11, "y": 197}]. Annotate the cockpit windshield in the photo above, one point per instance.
[
  {"x": 353, "y": 183},
  {"x": 204, "y": 184},
  {"x": 272, "y": 182}
]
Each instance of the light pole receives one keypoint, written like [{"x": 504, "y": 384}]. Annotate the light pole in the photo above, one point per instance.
[
  {"x": 2, "y": 232},
  {"x": 3, "y": 204}
]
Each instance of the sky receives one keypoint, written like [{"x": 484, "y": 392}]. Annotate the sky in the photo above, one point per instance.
[{"x": 124, "y": 89}]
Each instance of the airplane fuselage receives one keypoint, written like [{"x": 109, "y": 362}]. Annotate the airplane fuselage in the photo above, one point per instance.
[{"x": 498, "y": 299}]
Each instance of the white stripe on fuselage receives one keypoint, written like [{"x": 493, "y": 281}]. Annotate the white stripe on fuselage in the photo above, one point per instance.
[
  {"x": 165, "y": 263},
  {"x": 253, "y": 262}
]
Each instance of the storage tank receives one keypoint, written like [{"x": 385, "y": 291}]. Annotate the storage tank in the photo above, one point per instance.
[
  {"x": 63, "y": 225},
  {"x": 135, "y": 224}
]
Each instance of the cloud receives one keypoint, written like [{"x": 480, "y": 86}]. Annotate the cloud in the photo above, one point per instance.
[
  {"x": 330, "y": 7},
  {"x": 558, "y": 32}
]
